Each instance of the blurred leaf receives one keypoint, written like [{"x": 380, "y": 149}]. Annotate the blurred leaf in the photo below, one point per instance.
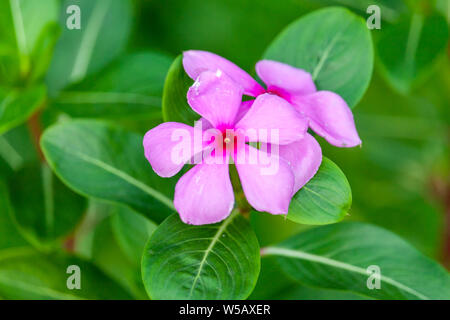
[
  {"x": 43, "y": 52},
  {"x": 15, "y": 147},
  {"x": 174, "y": 103},
  {"x": 337, "y": 257},
  {"x": 105, "y": 26},
  {"x": 235, "y": 29},
  {"x": 285, "y": 288},
  {"x": 17, "y": 105},
  {"x": 131, "y": 87},
  {"x": 403, "y": 140},
  {"x": 132, "y": 232},
  {"x": 26, "y": 274},
  {"x": 219, "y": 261},
  {"x": 106, "y": 162},
  {"x": 44, "y": 208},
  {"x": 408, "y": 49},
  {"x": 334, "y": 45},
  {"x": 9, "y": 235},
  {"x": 105, "y": 252},
  {"x": 326, "y": 198},
  {"x": 20, "y": 30}
]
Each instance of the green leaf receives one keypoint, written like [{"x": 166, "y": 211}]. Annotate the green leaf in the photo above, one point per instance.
[
  {"x": 407, "y": 49},
  {"x": 99, "y": 245},
  {"x": 338, "y": 256},
  {"x": 9, "y": 235},
  {"x": 219, "y": 261},
  {"x": 334, "y": 45},
  {"x": 25, "y": 274},
  {"x": 99, "y": 160},
  {"x": 132, "y": 232},
  {"x": 326, "y": 198},
  {"x": 105, "y": 27},
  {"x": 131, "y": 87},
  {"x": 17, "y": 105},
  {"x": 174, "y": 103},
  {"x": 391, "y": 9},
  {"x": 285, "y": 288},
  {"x": 43, "y": 51},
  {"x": 15, "y": 146},
  {"x": 44, "y": 208},
  {"x": 21, "y": 31}
]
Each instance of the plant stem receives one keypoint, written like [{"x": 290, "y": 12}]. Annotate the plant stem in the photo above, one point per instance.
[{"x": 35, "y": 128}]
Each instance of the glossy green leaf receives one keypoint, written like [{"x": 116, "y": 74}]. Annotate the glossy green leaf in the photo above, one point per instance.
[
  {"x": 174, "y": 103},
  {"x": 105, "y": 27},
  {"x": 17, "y": 105},
  {"x": 326, "y": 198},
  {"x": 408, "y": 49},
  {"x": 132, "y": 232},
  {"x": 25, "y": 274},
  {"x": 219, "y": 261},
  {"x": 334, "y": 45},
  {"x": 100, "y": 160},
  {"x": 131, "y": 87},
  {"x": 44, "y": 208},
  {"x": 338, "y": 257}
]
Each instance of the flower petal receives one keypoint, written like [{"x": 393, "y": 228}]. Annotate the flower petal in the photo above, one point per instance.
[
  {"x": 215, "y": 97},
  {"x": 272, "y": 119},
  {"x": 170, "y": 145},
  {"x": 195, "y": 62},
  {"x": 330, "y": 117},
  {"x": 304, "y": 157},
  {"x": 204, "y": 194},
  {"x": 267, "y": 182},
  {"x": 244, "y": 108},
  {"x": 285, "y": 79}
]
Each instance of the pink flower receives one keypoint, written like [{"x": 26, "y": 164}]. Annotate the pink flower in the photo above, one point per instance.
[
  {"x": 204, "y": 194},
  {"x": 329, "y": 115}
]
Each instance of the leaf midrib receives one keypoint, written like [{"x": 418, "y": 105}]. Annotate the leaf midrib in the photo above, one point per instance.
[
  {"x": 84, "y": 52},
  {"x": 215, "y": 239},
  {"x": 19, "y": 27},
  {"x": 278, "y": 251},
  {"x": 124, "y": 176}
]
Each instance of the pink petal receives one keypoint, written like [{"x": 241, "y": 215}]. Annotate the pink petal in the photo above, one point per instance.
[
  {"x": 304, "y": 157},
  {"x": 195, "y": 62},
  {"x": 170, "y": 145},
  {"x": 273, "y": 119},
  {"x": 267, "y": 182},
  {"x": 330, "y": 117},
  {"x": 204, "y": 194},
  {"x": 215, "y": 97},
  {"x": 285, "y": 79},
  {"x": 245, "y": 107}
]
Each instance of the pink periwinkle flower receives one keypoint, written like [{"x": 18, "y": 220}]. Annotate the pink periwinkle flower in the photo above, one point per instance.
[
  {"x": 328, "y": 114},
  {"x": 204, "y": 194}
]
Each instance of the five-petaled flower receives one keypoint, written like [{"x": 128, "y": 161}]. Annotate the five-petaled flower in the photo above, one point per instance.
[
  {"x": 288, "y": 105},
  {"x": 204, "y": 194}
]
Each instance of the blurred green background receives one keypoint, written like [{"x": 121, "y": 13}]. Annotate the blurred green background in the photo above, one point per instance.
[{"x": 400, "y": 177}]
